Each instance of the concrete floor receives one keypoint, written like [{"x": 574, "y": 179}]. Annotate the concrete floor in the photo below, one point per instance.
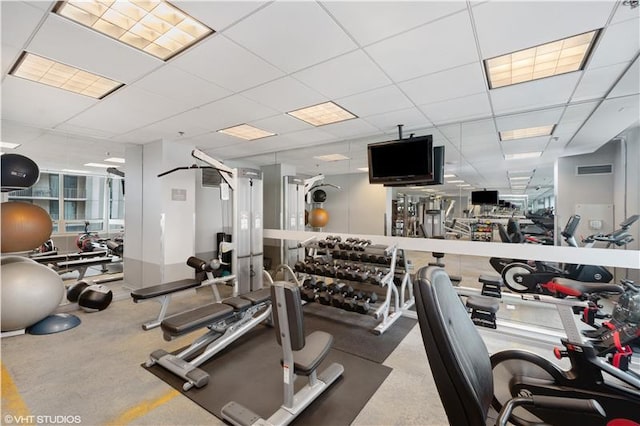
[{"x": 93, "y": 371}]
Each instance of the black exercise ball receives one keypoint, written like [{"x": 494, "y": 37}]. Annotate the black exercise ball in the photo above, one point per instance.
[
  {"x": 95, "y": 298},
  {"x": 73, "y": 292},
  {"x": 319, "y": 196},
  {"x": 18, "y": 172}
]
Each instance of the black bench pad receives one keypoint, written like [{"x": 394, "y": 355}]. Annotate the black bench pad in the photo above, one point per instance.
[
  {"x": 490, "y": 279},
  {"x": 489, "y": 304},
  {"x": 237, "y": 303},
  {"x": 162, "y": 289},
  {"x": 195, "y": 318},
  {"x": 258, "y": 296},
  {"x": 316, "y": 348}
]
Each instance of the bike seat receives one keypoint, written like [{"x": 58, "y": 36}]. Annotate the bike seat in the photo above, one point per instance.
[{"x": 589, "y": 287}]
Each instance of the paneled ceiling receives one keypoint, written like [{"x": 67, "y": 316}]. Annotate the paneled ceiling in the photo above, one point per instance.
[{"x": 419, "y": 64}]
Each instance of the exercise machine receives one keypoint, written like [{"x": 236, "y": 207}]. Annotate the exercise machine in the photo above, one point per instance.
[
  {"x": 162, "y": 293},
  {"x": 524, "y": 278},
  {"x": 226, "y": 321},
  {"x": 301, "y": 356}
]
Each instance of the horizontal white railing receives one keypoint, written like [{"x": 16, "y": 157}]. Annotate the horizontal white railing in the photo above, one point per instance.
[{"x": 618, "y": 257}]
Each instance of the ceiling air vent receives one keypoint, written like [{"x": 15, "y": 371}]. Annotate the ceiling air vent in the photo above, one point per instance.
[
  {"x": 598, "y": 169},
  {"x": 211, "y": 177}
]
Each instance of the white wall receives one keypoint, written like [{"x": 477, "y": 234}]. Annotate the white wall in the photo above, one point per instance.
[{"x": 359, "y": 208}]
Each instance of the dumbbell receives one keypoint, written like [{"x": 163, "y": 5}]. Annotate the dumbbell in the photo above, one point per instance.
[
  {"x": 350, "y": 303},
  {"x": 310, "y": 293},
  {"x": 365, "y": 257},
  {"x": 355, "y": 255},
  {"x": 299, "y": 266},
  {"x": 308, "y": 290},
  {"x": 341, "y": 272},
  {"x": 309, "y": 267},
  {"x": 353, "y": 274},
  {"x": 338, "y": 298},
  {"x": 324, "y": 296},
  {"x": 363, "y": 304},
  {"x": 361, "y": 245},
  {"x": 376, "y": 276}
]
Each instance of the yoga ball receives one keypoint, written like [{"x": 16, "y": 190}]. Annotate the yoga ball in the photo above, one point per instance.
[
  {"x": 95, "y": 298},
  {"x": 318, "y": 218},
  {"x": 18, "y": 172},
  {"x": 29, "y": 292},
  {"x": 25, "y": 226}
]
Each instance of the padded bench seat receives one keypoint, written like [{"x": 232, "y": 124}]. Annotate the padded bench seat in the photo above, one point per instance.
[
  {"x": 163, "y": 289},
  {"x": 195, "y": 318}
]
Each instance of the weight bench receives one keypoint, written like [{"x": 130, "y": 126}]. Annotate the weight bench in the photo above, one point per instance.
[
  {"x": 227, "y": 321},
  {"x": 161, "y": 293},
  {"x": 300, "y": 356},
  {"x": 82, "y": 265}
]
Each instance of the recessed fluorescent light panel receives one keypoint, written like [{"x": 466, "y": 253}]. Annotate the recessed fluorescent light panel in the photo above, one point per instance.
[
  {"x": 75, "y": 171},
  {"x": 520, "y": 178},
  {"x": 155, "y": 27},
  {"x": 331, "y": 157},
  {"x": 115, "y": 160},
  {"x": 321, "y": 114},
  {"x": 9, "y": 145},
  {"x": 449, "y": 176},
  {"x": 531, "y": 132},
  {"x": 103, "y": 166},
  {"x": 36, "y": 68},
  {"x": 545, "y": 60},
  {"x": 363, "y": 169},
  {"x": 522, "y": 155},
  {"x": 246, "y": 132},
  {"x": 455, "y": 181}
]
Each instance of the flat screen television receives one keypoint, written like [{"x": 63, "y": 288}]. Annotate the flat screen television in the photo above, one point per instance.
[
  {"x": 479, "y": 198},
  {"x": 406, "y": 161},
  {"x": 438, "y": 170}
]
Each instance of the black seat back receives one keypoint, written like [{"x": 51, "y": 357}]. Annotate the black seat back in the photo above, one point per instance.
[
  {"x": 458, "y": 357},
  {"x": 286, "y": 296},
  {"x": 504, "y": 236}
]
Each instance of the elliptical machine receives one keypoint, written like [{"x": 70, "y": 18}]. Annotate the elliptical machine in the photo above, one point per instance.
[{"x": 522, "y": 277}]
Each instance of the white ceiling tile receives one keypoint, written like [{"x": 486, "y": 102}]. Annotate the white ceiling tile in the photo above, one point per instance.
[
  {"x": 37, "y": 104},
  {"x": 375, "y": 101},
  {"x": 127, "y": 109},
  {"x": 507, "y": 26},
  {"x": 629, "y": 84},
  {"x": 9, "y": 55},
  {"x": 372, "y": 21},
  {"x": 285, "y": 94},
  {"x": 292, "y": 35},
  {"x": 625, "y": 12},
  {"x": 231, "y": 111},
  {"x": 450, "y": 84},
  {"x": 181, "y": 86},
  {"x": 596, "y": 83},
  {"x": 64, "y": 41},
  {"x": 224, "y": 63},
  {"x": 579, "y": 112},
  {"x": 460, "y": 109},
  {"x": 19, "y": 21},
  {"x": 18, "y": 133},
  {"x": 610, "y": 118},
  {"x": 343, "y": 76},
  {"x": 434, "y": 47},
  {"x": 280, "y": 124},
  {"x": 526, "y": 145},
  {"x": 529, "y": 119},
  {"x": 218, "y": 15},
  {"x": 534, "y": 94},
  {"x": 411, "y": 118},
  {"x": 350, "y": 128},
  {"x": 42, "y": 4},
  {"x": 307, "y": 137},
  {"x": 86, "y": 131},
  {"x": 618, "y": 43}
]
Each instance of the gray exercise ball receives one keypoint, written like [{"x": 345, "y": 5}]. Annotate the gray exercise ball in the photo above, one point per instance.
[
  {"x": 29, "y": 293},
  {"x": 13, "y": 259}
]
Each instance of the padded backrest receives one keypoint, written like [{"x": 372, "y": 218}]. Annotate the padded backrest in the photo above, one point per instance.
[
  {"x": 504, "y": 236},
  {"x": 458, "y": 357},
  {"x": 285, "y": 299}
]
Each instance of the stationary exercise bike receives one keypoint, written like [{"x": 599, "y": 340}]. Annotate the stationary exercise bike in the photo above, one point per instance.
[
  {"x": 522, "y": 277},
  {"x": 519, "y": 374}
]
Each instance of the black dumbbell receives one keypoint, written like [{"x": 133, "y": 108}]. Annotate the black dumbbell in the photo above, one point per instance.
[
  {"x": 308, "y": 291},
  {"x": 376, "y": 277},
  {"x": 324, "y": 296},
  {"x": 343, "y": 292},
  {"x": 299, "y": 266},
  {"x": 355, "y": 255},
  {"x": 353, "y": 274},
  {"x": 351, "y": 303},
  {"x": 363, "y": 304}
]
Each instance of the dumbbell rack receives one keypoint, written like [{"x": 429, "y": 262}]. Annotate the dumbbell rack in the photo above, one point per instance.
[{"x": 326, "y": 258}]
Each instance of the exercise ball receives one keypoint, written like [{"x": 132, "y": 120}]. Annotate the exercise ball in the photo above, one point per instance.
[
  {"x": 95, "y": 298},
  {"x": 319, "y": 196},
  {"x": 318, "y": 218},
  {"x": 18, "y": 172},
  {"x": 73, "y": 292},
  {"x": 13, "y": 259},
  {"x": 25, "y": 226},
  {"x": 30, "y": 292}
]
